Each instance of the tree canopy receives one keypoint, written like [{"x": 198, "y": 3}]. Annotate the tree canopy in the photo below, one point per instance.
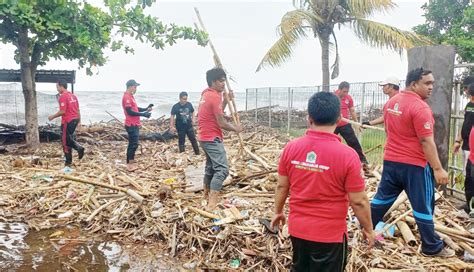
[
  {"x": 320, "y": 19},
  {"x": 77, "y": 30},
  {"x": 450, "y": 22}
]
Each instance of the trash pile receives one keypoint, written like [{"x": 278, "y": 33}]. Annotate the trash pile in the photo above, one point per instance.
[{"x": 162, "y": 203}]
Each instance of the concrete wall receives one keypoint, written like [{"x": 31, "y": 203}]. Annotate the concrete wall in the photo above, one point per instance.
[{"x": 440, "y": 60}]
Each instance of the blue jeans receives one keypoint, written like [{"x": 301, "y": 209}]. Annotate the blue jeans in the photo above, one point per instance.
[
  {"x": 418, "y": 184},
  {"x": 217, "y": 167}
]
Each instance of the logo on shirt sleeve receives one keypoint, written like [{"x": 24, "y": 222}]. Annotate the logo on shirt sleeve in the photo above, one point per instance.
[
  {"x": 427, "y": 125},
  {"x": 62, "y": 104}
]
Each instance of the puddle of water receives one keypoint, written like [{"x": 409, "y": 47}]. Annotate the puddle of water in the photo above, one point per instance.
[{"x": 68, "y": 250}]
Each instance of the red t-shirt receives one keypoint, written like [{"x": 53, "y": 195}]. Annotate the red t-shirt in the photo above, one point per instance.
[
  {"x": 346, "y": 104},
  {"x": 70, "y": 105},
  {"x": 471, "y": 145},
  {"x": 209, "y": 106},
  {"x": 321, "y": 171},
  {"x": 128, "y": 101},
  {"x": 407, "y": 119}
]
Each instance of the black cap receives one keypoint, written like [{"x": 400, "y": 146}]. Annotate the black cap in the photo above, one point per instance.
[{"x": 132, "y": 82}]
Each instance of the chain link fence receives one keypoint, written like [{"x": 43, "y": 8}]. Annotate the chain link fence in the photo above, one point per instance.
[
  {"x": 12, "y": 105},
  {"x": 285, "y": 108}
]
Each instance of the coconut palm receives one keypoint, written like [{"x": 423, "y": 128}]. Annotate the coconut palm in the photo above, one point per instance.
[{"x": 319, "y": 17}]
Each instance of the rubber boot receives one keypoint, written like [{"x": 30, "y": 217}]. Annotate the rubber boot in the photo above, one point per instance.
[{"x": 181, "y": 148}]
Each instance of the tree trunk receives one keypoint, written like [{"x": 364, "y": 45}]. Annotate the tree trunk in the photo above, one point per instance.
[
  {"x": 28, "y": 72},
  {"x": 324, "y": 41}
]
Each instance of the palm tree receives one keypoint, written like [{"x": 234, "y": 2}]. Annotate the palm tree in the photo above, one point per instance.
[{"x": 319, "y": 17}]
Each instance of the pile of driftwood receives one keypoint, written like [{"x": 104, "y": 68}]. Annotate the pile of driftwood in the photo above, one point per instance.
[{"x": 162, "y": 203}]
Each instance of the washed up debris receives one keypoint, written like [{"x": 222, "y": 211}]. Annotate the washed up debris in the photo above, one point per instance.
[{"x": 161, "y": 203}]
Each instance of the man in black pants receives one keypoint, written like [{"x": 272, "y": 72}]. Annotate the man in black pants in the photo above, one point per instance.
[
  {"x": 183, "y": 123},
  {"x": 70, "y": 118},
  {"x": 132, "y": 121},
  {"x": 344, "y": 128}
]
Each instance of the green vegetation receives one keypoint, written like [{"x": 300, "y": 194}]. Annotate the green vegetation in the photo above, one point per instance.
[
  {"x": 76, "y": 30},
  {"x": 320, "y": 19},
  {"x": 450, "y": 22}
]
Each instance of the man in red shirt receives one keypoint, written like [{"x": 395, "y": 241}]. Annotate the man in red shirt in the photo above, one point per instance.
[
  {"x": 210, "y": 124},
  {"x": 410, "y": 158},
  {"x": 390, "y": 87},
  {"x": 322, "y": 177},
  {"x": 70, "y": 118},
  {"x": 344, "y": 128},
  {"x": 132, "y": 121}
]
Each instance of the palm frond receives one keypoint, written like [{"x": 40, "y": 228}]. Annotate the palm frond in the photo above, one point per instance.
[
  {"x": 366, "y": 8},
  {"x": 384, "y": 36},
  {"x": 292, "y": 28}
]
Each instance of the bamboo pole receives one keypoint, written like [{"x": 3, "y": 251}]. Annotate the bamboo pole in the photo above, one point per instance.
[
  {"x": 362, "y": 126},
  {"x": 230, "y": 102},
  {"x": 406, "y": 233},
  {"x": 120, "y": 122},
  {"x": 129, "y": 192}
]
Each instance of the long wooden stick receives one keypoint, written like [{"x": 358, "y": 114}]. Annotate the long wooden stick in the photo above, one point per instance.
[
  {"x": 116, "y": 119},
  {"x": 130, "y": 192},
  {"x": 230, "y": 101},
  {"x": 363, "y": 126}
]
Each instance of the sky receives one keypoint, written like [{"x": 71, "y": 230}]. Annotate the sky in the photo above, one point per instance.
[{"x": 242, "y": 31}]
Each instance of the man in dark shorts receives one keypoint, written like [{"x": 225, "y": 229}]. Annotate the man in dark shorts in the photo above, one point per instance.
[
  {"x": 322, "y": 177},
  {"x": 182, "y": 121},
  {"x": 70, "y": 118}
]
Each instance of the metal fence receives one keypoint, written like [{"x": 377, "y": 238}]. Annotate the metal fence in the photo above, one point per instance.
[
  {"x": 285, "y": 108},
  {"x": 12, "y": 105}
]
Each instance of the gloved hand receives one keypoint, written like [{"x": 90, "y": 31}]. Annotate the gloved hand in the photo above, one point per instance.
[
  {"x": 150, "y": 107},
  {"x": 366, "y": 123},
  {"x": 146, "y": 114}
]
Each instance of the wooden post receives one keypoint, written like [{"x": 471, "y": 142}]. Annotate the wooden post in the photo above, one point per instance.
[{"x": 440, "y": 60}]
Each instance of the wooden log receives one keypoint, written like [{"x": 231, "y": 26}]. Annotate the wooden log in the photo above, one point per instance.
[
  {"x": 400, "y": 200},
  {"x": 406, "y": 233},
  {"x": 449, "y": 242},
  {"x": 204, "y": 213},
  {"x": 98, "y": 210},
  {"x": 129, "y": 192},
  {"x": 467, "y": 248},
  {"x": 443, "y": 229}
]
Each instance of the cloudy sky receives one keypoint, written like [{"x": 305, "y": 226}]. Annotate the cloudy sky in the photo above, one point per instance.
[{"x": 242, "y": 31}]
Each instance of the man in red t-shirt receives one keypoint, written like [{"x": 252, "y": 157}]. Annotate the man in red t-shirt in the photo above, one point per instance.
[
  {"x": 210, "y": 124},
  {"x": 344, "y": 128},
  {"x": 322, "y": 177},
  {"x": 469, "y": 181},
  {"x": 132, "y": 121},
  {"x": 390, "y": 87},
  {"x": 70, "y": 118},
  {"x": 410, "y": 158}
]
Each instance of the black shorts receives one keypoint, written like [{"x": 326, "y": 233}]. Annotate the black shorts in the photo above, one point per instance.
[{"x": 315, "y": 256}]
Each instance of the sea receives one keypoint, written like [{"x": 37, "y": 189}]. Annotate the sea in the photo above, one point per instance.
[{"x": 93, "y": 105}]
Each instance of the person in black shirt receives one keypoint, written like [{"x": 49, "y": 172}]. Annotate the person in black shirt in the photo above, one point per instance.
[
  {"x": 183, "y": 123},
  {"x": 463, "y": 141},
  {"x": 463, "y": 138}
]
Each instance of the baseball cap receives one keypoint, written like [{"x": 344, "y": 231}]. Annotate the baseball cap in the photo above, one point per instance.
[
  {"x": 390, "y": 80},
  {"x": 132, "y": 82}
]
